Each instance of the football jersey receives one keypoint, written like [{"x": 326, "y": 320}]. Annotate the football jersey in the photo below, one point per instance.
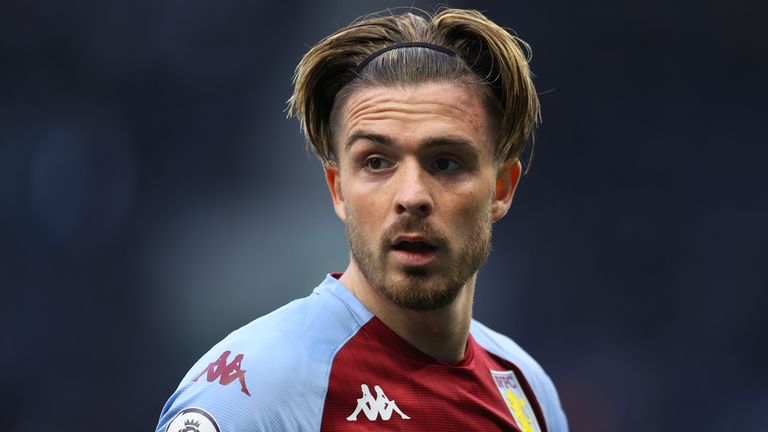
[{"x": 326, "y": 363}]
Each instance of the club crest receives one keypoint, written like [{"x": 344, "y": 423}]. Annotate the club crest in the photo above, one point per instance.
[{"x": 514, "y": 397}]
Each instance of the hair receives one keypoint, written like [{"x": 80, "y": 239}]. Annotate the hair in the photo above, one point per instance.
[{"x": 487, "y": 57}]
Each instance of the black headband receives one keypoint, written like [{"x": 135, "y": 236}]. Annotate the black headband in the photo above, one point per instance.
[{"x": 403, "y": 45}]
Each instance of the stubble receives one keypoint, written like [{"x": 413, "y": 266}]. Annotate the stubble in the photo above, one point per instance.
[{"x": 421, "y": 288}]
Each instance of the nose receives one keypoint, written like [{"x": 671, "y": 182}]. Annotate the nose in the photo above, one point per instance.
[{"x": 414, "y": 195}]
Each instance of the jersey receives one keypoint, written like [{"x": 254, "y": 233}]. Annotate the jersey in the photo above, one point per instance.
[{"x": 326, "y": 363}]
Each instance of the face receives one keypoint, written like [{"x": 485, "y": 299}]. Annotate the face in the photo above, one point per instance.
[{"x": 418, "y": 189}]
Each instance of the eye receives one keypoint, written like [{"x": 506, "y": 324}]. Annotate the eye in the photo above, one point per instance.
[
  {"x": 376, "y": 163},
  {"x": 446, "y": 164}
]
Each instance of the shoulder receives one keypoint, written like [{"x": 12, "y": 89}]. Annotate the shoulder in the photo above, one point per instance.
[
  {"x": 271, "y": 374},
  {"x": 504, "y": 347}
]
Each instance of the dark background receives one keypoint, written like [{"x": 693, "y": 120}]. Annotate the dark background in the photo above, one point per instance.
[{"x": 153, "y": 198}]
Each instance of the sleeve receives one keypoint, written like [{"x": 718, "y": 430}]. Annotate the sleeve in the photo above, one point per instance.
[
  {"x": 215, "y": 396},
  {"x": 271, "y": 375},
  {"x": 260, "y": 383}
]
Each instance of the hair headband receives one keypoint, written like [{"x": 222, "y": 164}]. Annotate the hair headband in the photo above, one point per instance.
[{"x": 428, "y": 45}]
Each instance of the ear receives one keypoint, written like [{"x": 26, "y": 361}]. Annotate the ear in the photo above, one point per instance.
[
  {"x": 507, "y": 178},
  {"x": 333, "y": 179}
]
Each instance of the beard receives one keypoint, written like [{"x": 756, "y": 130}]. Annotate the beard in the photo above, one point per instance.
[{"x": 421, "y": 288}]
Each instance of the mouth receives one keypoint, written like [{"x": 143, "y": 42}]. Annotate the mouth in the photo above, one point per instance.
[{"x": 414, "y": 251}]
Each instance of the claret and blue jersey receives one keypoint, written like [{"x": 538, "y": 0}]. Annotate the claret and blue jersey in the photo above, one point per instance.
[{"x": 326, "y": 363}]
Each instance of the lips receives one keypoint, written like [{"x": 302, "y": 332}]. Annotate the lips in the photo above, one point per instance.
[
  {"x": 414, "y": 251},
  {"x": 413, "y": 243},
  {"x": 407, "y": 246}
]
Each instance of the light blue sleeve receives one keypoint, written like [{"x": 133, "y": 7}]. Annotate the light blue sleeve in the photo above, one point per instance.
[
  {"x": 541, "y": 384},
  {"x": 286, "y": 361}
]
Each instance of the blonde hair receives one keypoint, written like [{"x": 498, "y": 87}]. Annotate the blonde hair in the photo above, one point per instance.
[{"x": 487, "y": 56}]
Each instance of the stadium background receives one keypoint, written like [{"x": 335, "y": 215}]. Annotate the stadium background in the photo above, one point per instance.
[{"x": 153, "y": 198}]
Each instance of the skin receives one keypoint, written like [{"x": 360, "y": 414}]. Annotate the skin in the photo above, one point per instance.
[{"x": 417, "y": 162}]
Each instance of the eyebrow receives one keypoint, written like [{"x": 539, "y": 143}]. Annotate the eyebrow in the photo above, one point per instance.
[
  {"x": 385, "y": 140},
  {"x": 363, "y": 135}
]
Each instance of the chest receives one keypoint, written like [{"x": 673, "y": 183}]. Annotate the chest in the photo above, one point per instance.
[{"x": 372, "y": 387}]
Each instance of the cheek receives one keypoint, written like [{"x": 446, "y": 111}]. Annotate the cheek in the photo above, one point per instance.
[
  {"x": 470, "y": 212},
  {"x": 476, "y": 208},
  {"x": 461, "y": 211},
  {"x": 366, "y": 208},
  {"x": 473, "y": 199}
]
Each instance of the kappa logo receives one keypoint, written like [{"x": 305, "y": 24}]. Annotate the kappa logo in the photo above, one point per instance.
[
  {"x": 375, "y": 407},
  {"x": 226, "y": 372}
]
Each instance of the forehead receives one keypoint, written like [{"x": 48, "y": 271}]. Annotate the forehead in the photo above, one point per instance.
[{"x": 415, "y": 113}]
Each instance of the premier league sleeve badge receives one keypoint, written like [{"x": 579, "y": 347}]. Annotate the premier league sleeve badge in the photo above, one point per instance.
[{"x": 193, "y": 420}]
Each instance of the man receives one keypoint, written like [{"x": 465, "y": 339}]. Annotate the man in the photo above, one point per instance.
[{"x": 420, "y": 122}]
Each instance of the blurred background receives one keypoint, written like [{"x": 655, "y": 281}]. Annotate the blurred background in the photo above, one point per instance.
[{"x": 153, "y": 198}]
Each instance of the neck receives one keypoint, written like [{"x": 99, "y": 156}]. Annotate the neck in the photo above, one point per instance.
[{"x": 440, "y": 333}]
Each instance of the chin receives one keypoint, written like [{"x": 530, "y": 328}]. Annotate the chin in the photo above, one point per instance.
[{"x": 420, "y": 289}]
